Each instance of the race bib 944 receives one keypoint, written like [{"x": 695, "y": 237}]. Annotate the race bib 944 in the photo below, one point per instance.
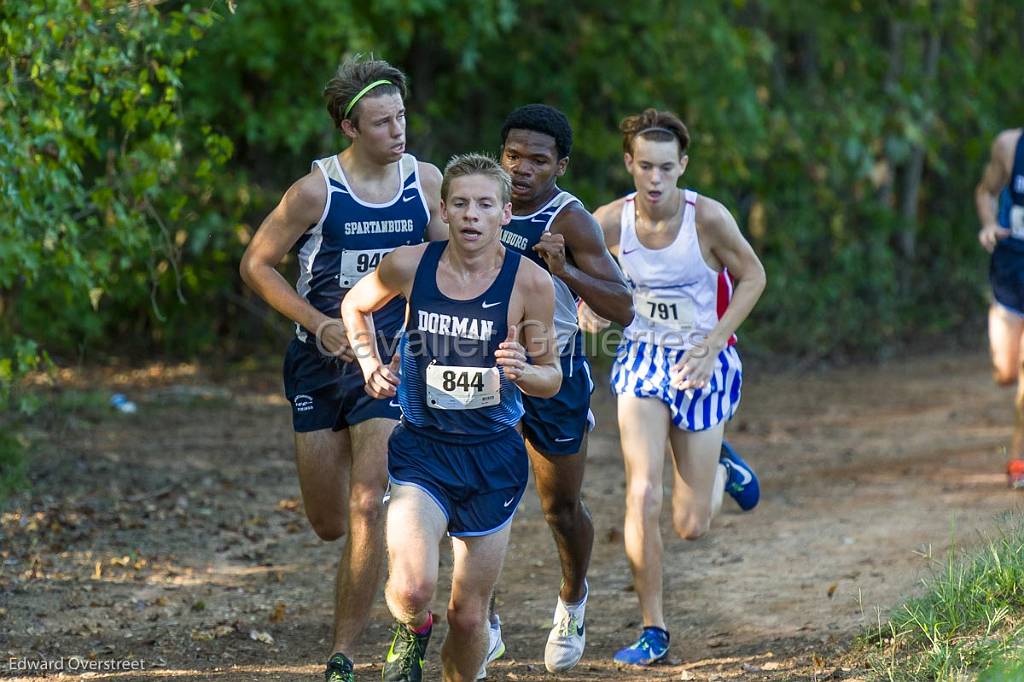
[
  {"x": 357, "y": 264},
  {"x": 1017, "y": 221}
]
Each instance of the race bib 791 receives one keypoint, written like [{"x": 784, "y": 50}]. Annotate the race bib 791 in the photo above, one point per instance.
[{"x": 667, "y": 311}]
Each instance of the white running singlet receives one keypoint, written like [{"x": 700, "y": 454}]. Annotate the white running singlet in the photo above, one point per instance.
[{"x": 677, "y": 297}]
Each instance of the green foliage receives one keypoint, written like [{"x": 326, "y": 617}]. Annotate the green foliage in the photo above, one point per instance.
[
  {"x": 12, "y": 464},
  {"x": 96, "y": 171},
  {"x": 143, "y": 146},
  {"x": 1009, "y": 670},
  {"x": 806, "y": 121},
  {"x": 970, "y": 618}
]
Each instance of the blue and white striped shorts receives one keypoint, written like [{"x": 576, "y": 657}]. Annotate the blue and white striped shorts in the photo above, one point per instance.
[{"x": 642, "y": 369}]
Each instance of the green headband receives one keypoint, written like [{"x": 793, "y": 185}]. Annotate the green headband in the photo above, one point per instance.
[{"x": 359, "y": 95}]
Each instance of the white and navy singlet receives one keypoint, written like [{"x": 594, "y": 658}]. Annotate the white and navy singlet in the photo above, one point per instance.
[
  {"x": 450, "y": 382},
  {"x": 521, "y": 235},
  {"x": 1006, "y": 267},
  {"x": 352, "y": 236}
]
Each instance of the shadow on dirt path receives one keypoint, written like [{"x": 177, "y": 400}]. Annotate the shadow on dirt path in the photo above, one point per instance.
[{"x": 175, "y": 539}]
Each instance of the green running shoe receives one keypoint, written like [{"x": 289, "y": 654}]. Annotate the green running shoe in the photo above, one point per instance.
[
  {"x": 404, "y": 662},
  {"x": 339, "y": 669}
]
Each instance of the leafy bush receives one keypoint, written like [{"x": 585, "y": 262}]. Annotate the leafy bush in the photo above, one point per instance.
[{"x": 143, "y": 145}]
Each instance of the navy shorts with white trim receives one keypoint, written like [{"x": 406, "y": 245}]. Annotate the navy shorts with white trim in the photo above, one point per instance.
[
  {"x": 556, "y": 425},
  {"x": 327, "y": 393},
  {"x": 1006, "y": 274},
  {"x": 477, "y": 482}
]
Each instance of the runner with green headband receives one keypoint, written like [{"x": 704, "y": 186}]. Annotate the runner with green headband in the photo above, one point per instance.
[
  {"x": 359, "y": 95},
  {"x": 341, "y": 219}
]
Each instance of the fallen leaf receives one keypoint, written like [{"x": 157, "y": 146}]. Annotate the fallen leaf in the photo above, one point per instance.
[
  {"x": 278, "y": 615},
  {"x": 288, "y": 504},
  {"x": 261, "y": 636},
  {"x": 832, "y": 589}
]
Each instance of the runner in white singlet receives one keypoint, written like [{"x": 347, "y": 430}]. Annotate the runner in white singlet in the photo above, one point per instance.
[{"x": 676, "y": 373}]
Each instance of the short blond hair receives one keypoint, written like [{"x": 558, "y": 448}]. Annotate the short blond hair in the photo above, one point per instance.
[{"x": 463, "y": 165}]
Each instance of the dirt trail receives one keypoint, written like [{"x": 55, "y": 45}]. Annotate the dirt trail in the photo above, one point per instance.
[{"x": 175, "y": 536}]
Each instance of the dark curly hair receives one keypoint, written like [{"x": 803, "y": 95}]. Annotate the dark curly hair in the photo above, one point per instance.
[{"x": 541, "y": 118}]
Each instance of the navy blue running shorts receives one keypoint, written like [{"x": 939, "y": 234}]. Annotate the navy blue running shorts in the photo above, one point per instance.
[
  {"x": 327, "y": 393},
  {"x": 476, "y": 481},
  {"x": 556, "y": 425},
  {"x": 1006, "y": 274}
]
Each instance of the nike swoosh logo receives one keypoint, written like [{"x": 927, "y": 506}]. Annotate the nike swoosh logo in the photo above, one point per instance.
[
  {"x": 408, "y": 199},
  {"x": 579, "y": 629},
  {"x": 626, "y": 253},
  {"x": 485, "y": 304},
  {"x": 747, "y": 478},
  {"x": 538, "y": 219},
  {"x": 393, "y": 403},
  {"x": 564, "y": 440},
  {"x": 510, "y": 500}
]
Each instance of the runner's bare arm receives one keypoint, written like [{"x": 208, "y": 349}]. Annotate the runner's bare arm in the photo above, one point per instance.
[
  {"x": 393, "y": 277},
  {"x": 299, "y": 209},
  {"x": 592, "y": 273},
  {"x": 430, "y": 181},
  {"x": 997, "y": 173},
  {"x": 608, "y": 217},
  {"x": 719, "y": 233},
  {"x": 528, "y": 356},
  {"x": 718, "y": 229}
]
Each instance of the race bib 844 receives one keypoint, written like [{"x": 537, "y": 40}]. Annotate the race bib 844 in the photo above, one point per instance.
[{"x": 462, "y": 388}]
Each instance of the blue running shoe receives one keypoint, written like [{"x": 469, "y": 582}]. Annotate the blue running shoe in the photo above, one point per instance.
[
  {"x": 650, "y": 648},
  {"x": 741, "y": 481}
]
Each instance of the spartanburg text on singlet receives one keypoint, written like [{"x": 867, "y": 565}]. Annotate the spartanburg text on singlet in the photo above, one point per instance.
[
  {"x": 521, "y": 235},
  {"x": 352, "y": 236}
]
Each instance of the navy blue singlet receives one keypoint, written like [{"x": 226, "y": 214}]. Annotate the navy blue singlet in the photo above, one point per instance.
[
  {"x": 521, "y": 235},
  {"x": 1006, "y": 268},
  {"x": 450, "y": 383},
  {"x": 352, "y": 236}
]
